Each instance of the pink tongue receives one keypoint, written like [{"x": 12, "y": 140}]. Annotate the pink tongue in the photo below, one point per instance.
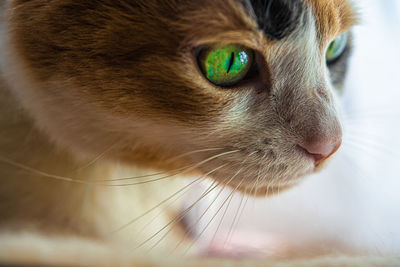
[{"x": 244, "y": 245}]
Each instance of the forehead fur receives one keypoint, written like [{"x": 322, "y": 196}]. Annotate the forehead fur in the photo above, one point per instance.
[
  {"x": 332, "y": 17},
  {"x": 276, "y": 18}
]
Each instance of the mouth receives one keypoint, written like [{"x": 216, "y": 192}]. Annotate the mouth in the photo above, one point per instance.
[
  {"x": 263, "y": 178},
  {"x": 270, "y": 188},
  {"x": 256, "y": 173},
  {"x": 271, "y": 191},
  {"x": 318, "y": 160}
]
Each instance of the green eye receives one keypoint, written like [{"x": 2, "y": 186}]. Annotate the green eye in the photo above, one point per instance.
[
  {"x": 225, "y": 65},
  {"x": 336, "y": 48}
]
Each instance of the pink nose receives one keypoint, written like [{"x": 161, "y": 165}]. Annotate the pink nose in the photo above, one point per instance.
[{"x": 320, "y": 151}]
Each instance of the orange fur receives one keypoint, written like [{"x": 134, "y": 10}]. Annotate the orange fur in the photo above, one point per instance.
[
  {"x": 112, "y": 71},
  {"x": 333, "y": 17}
]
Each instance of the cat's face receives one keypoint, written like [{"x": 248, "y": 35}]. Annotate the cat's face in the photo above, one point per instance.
[{"x": 129, "y": 78}]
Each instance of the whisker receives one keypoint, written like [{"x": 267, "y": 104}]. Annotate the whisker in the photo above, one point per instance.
[
  {"x": 370, "y": 111},
  {"x": 233, "y": 225},
  {"x": 170, "y": 229},
  {"x": 216, "y": 213},
  {"x": 199, "y": 219},
  {"x": 72, "y": 180},
  {"x": 182, "y": 214},
  {"x": 279, "y": 187},
  {"x": 185, "y": 188},
  {"x": 228, "y": 237},
  {"x": 371, "y": 143},
  {"x": 355, "y": 133},
  {"x": 102, "y": 182},
  {"x": 190, "y": 227},
  {"x": 86, "y": 197},
  {"x": 258, "y": 177},
  {"x": 365, "y": 135},
  {"x": 230, "y": 197},
  {"x": 361, "y": 172},
  {"x": 375, "y": 119},
  {"x": 165, "y": 200},
  {"x": 240, "y": 216},
  {"x": 188, "y": 170},
  {"x": 242, "y": 210},
  {"x": 357, "y": 146},
  {"x": 193, "y": 152},
  {"x": 269, "y": 183},
  {"x": 98, "y": 157},
  {"x": 40, "y": 173},
  {"x": 191, "y": 167},
  {"x": 212, "y": 218}
]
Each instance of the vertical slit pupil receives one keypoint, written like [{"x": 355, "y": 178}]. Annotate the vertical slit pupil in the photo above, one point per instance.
[{"x": 230, "y": 62}]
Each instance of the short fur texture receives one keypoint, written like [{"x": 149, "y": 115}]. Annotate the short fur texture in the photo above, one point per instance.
[
  {"x": 276, "y": 19},
  {"x": 102, "y": 66},
  {"x": 111, "y": 88}
]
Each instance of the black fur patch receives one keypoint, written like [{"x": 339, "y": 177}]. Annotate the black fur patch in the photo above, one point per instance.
[{"x": 277, "y": 18}]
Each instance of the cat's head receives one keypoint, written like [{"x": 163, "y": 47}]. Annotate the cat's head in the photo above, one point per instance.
[{"x": 242, "y": 89}]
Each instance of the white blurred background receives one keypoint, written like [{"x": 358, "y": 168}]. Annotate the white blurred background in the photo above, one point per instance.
[{"x": 355, "y": 202}]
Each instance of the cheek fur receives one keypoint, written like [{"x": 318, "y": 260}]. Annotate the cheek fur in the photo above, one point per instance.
[{"x": 137, "y": 82}]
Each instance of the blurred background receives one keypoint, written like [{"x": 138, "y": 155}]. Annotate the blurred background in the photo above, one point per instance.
[{"x": 354, "y": 203}]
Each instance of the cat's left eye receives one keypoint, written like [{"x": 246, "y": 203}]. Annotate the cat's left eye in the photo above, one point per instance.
[
  {"x": 225, "y": 65},
  {"x": 336, "y": 48}
]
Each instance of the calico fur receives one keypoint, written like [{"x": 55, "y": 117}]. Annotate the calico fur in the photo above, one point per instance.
[
  {"x": 277, "y": 19},
  {"x": 104, "y": 89},
  {"x": 115, "y": 72}
]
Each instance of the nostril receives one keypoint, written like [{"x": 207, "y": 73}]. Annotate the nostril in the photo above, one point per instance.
[{"x": 321, "y": 150}]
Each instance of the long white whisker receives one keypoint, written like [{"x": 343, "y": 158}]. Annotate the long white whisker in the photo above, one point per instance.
[
  {"x": 169, "y": 171},
  {"x": 165, "y": 234},
  {"x": 258, "y": 177},
  {"x": 384, "y": 110},
  {"x": 233, "y": 221},
  {"x": 371, "y": 143},
  {"x": 193, "y": 152},
  {"x": 190, "y": 228},
  {"x": 226, "y": 209},
  {"x": 242, "y": 210},
  {"x": 358, "y": 147},
  {"x": 40, "y": 173},
  {"x": 356, "y": 134},
  {"x": 170, "y": 197},
  {"x": 187, "y": 170},
  {"x": 215, "y": 214},
  {"x": 213, "y": 217},
  {"x": 102, "y": 182},
  {"x": 98, "y": 157},
  {"x": 182, "y": 214},
  {"x": 201, "y": 216}
]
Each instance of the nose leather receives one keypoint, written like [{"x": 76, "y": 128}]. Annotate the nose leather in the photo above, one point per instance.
[{"x": 321, "y": 149}]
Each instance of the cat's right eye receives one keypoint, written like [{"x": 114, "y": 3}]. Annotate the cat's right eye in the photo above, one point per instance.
[{"x": 225, "y": 65}]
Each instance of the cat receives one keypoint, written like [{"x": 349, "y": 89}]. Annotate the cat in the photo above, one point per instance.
[{"x": 108, "y": 105}]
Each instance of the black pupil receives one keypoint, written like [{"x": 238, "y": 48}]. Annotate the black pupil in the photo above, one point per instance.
[{"x": 231, "y": 62}]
